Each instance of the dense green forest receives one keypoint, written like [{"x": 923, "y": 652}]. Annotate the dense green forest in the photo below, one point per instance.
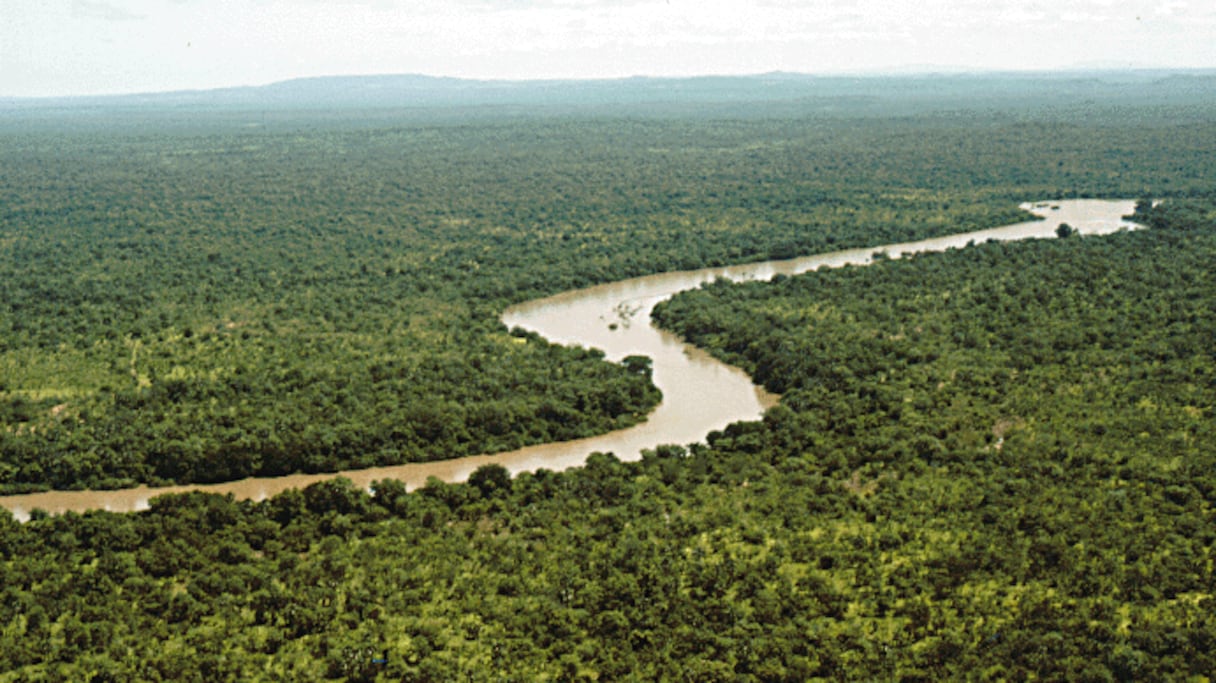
[
  {"x": 1004, "y": 472},
  {"x": 994, "y": 463},
  {"x": 204, "y": 302}
]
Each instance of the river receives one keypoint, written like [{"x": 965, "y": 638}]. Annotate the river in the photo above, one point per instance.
[{"x": 700, "y": 393}]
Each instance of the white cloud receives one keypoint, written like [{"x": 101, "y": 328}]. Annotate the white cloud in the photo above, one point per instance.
[
  {"x": 53, "y": 46},
  {"x": 96, "y": 9},
  {"x": 1170, "y": 8}
]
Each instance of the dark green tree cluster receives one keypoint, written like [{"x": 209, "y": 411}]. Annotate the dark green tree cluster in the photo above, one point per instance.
[{"x": 997, "y": 464}]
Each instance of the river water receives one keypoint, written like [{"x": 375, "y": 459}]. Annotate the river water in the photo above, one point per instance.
[{"x": 700, "y": 394}]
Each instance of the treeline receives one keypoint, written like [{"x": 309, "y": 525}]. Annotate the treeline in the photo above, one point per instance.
[{"x": 992, "y": 463}]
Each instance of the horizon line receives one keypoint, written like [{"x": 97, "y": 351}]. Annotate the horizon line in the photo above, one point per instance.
[{"x": 915, "y": 70}]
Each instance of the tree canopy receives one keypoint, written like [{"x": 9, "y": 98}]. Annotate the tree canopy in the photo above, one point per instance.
[{"x": 991, "y": 463}]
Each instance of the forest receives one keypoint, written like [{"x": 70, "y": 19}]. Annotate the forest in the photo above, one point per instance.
[
  {"x": 990, "y": 464},
  {"x": 197, "y": 303}
]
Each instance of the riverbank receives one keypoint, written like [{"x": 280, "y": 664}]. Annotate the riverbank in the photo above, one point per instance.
[{"x": 700, "y": 393}]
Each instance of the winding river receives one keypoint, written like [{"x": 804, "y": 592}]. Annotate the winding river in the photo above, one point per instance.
[{"x": 700, "y": 394}]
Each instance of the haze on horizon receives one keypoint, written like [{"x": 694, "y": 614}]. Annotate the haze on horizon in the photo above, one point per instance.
[{"x": 90, "y": 47}]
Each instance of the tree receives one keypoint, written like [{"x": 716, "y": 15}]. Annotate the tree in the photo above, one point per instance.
[
  {"x": 491, "y": 480},
  {"x": 638, "y": 365}
]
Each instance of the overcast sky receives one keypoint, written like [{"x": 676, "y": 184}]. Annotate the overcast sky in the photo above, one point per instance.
[{"x": 61, "y": 47}]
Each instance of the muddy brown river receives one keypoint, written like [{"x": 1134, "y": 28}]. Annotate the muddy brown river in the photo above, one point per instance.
[{"x": 700, "y": 394}]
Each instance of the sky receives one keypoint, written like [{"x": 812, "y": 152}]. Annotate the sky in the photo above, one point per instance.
[{"x": 87, "y": 47}]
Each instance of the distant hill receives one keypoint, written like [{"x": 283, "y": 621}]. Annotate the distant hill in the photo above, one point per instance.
[
  {"x": 852, "y": 93},
  {"x": 413, "y": 90}
]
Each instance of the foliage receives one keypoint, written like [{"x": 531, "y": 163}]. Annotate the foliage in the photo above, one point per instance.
[
  {"x": 977, "y": 503},
  {"x": 994, "y": 463},
  {"x": 200, "y": 301}
]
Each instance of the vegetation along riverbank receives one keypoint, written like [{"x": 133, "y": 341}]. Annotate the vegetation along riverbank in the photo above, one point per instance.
[{"x": 989, "y": 463}]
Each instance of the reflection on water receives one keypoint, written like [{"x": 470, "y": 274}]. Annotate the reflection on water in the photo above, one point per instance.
[{"x": 700, "y": 394}]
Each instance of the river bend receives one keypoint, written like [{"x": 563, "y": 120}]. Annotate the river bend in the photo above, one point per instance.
[{"x": 700, "y": 393}]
